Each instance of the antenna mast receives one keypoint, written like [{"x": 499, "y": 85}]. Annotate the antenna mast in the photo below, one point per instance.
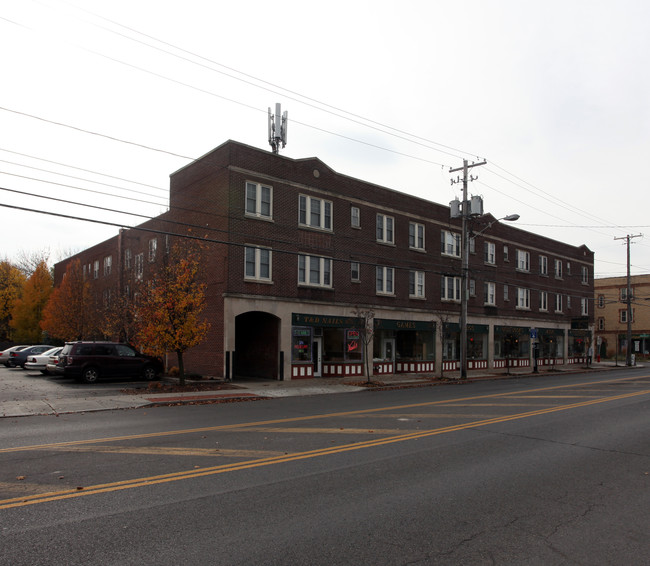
[{"x": 278, "y": 128}]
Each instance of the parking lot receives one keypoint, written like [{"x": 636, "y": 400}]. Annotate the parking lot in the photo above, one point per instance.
[{"x": 17, "y": 385}]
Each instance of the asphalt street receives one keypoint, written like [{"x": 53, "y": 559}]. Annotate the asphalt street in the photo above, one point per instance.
[{"x": 538, "y": 470}]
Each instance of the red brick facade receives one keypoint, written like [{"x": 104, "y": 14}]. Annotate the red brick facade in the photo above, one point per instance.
[{"x": 253, "y": 319}]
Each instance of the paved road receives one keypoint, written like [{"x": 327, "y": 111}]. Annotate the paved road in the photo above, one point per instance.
[{"x": 548, "y": 470}]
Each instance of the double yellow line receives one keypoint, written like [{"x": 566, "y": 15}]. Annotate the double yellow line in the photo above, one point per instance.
[{"x": 213, "y": 470}]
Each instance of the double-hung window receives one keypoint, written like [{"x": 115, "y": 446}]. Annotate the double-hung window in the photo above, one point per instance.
[
  {"x": 584, "y": 306},
  {"x": 416, "y": 236},
  {"x": 127, "y": 258},
  {"x": 543, "y": 265},
  {"x": 543, "y": 301},
  {"x": 259, "y": 200},
  {"x": 558, "y": 269},
  {"x": 153, "y": 246},
  {"x": 96, "y": 269},
  {"x": 385, "y": 229},
  {"x": 257, "y": 263},
  {"x": 623, "y": 316},
  {"x": 355, "y": 217},
  {"x": 450, "y": 288},
  {"x": 139, "y": 266},
  {"x": 315, "y": 212},
  {"x": 490, "y": 253},
  {"x": 385, "y": 280},
  {"x": 108, "y": 265},
  {"x": 489, "y": 293},
  {"x": 355, "y": 270},
  {"x": 523, "y": 298},
  {"x": 449, "y": 243},
  {"x": 523, "y": 260},
  {"x": 314, "y": 270},
  {"x": 416, "y": 284},
  {"x": 585, "y": 275},
  {"x": 558, "y": 302}
]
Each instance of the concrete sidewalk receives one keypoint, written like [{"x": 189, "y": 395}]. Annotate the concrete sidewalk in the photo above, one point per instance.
[{"x": 248, "y": 389}]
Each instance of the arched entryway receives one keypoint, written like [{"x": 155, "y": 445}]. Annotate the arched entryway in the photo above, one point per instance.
[{"x": 257, "y": 345}]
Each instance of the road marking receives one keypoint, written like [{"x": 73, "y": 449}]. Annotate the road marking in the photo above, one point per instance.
[
  {"x": 291, "y": 457},
  {"x": 448, "y": 403},
  {"x": 172, "y": 451}
]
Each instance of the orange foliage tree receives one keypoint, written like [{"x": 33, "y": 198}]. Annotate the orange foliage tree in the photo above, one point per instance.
[
  {"x": 169, "y": 307},
  {"x": 12, "y": 281},
  {"x": 27, "y": 311},
  {"x": 69, "y": 314}
]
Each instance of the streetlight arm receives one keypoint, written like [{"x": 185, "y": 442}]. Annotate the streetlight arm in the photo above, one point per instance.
[{"x": 509, "y": 218}]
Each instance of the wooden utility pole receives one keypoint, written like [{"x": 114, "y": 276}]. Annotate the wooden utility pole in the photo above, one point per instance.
[
  {"x": 628, "y": 300},
  {"x": 464, "y": 291}
]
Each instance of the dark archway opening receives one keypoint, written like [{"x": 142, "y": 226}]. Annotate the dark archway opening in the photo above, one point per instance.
[{"x": 257, "y": 340}]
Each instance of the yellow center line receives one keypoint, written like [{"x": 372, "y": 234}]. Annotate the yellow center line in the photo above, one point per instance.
[
  {"x": 448, "y": 402},
  {"x": 213, "y": 470}
]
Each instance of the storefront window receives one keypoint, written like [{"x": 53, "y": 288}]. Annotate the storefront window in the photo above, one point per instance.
[
  {"x": 353, "y": 346},
  {"x": 414, "y": 345},
  {"x": 477, "y": 346},
  {"x": 511, "y": 342},
  {"x": 301, "y": 344}
]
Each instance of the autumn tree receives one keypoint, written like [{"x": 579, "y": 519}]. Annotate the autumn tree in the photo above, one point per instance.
[
  {"x": 169, "y": 307},
  {"x": 27, "y": 311},
  {"x": 69, "y": 314},
  {"x": 117, "y": 317},
  {"x": 12, "y": 281},
  {"x": 367, "y": 334}
]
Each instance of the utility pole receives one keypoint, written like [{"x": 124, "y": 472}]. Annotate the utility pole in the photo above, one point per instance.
[
  {"x": 464, "y": 288},
  {"x": 628, "y": 300}
]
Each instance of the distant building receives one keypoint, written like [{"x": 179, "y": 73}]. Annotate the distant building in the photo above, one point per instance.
[
  {"x": 296, "y": 253},
  {"x": 611, "y": 315}
]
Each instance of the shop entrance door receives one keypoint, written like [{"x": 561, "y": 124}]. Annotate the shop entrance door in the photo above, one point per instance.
[
  {"x": 316, "y": 352},
  {"x": 388, "y": 349}
]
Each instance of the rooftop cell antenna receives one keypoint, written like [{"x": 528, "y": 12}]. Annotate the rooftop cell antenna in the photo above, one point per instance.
[{"x": 278, "y": 128}]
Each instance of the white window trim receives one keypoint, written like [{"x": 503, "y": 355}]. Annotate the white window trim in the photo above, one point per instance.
[
  {"x": 584, "y": 307},
  {"x": 523, "y": 261},
  {"x": 383, "y": 239},
  {"x": 322, "y": 205},
  {"x": 523, "y": 298},
  {"x": 258, "y": 264},
  {"x": 543, "y": 265},
  {"x": 153, "y": 246},
  {"x": 489, "y": 293},
  {"x": 490, "y": 253},
  {"x": 558, "y": 302},
  {"x": 108, "y": 265},
  {"x": 543, "y": 301},
  {"x": 385, "y": 280},
  {"x": 356, "y": 217},
  {"x": 584, "y": 275},
  {"x": 417, "y": 227},
  {"x": 418, "y": 285},
  {"x": 258, "y": 201},
  {"x": 322, "y": 262},
  {"x": 456, "y": 288},
  {"x": 557, "y": 269},
  {"x": 139, "y": 266},
  {"x": 358, "y": 270},
  {"x": 449, "y": 240}
]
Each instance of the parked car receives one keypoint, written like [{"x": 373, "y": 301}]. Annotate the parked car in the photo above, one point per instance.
[
  {"x": 90, "y": 361},
  {"x": 4, "y": 355},
  {"x": 17, "y": 358},
  {"x": 39, "y": 361},
  {"x": 53, "y": 367}
]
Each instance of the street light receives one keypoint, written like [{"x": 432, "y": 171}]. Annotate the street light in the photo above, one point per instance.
[{"x": 464, "y": 291}]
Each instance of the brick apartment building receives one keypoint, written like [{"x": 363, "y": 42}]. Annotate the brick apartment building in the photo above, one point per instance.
[
  {"x": 611, "y": 315},
  {"x": 296, "y": 253}
]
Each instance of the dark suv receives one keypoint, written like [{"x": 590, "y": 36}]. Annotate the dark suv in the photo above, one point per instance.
[{"x": 88, "y": 361}]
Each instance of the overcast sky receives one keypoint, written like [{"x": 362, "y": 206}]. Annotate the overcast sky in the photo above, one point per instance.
[{"x": 116, "y": 95}]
